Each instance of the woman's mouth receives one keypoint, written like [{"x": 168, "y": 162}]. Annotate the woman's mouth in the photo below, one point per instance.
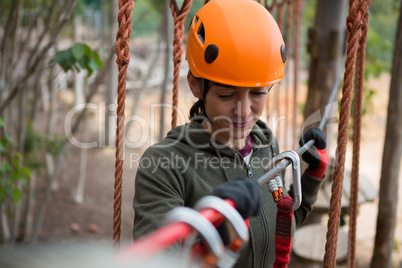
[{"x": 241, "y": 125}]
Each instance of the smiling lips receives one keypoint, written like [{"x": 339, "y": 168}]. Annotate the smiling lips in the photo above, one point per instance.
[{"x": 241, "y": 125}]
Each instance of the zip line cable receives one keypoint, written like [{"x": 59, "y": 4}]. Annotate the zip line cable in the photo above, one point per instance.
[{"x": 282, "y": 165}]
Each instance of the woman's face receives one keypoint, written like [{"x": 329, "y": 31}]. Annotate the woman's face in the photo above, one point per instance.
[{"x": 233, "y": 111}]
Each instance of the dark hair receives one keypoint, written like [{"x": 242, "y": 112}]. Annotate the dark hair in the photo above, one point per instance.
[{"x": 198, "y": 107}]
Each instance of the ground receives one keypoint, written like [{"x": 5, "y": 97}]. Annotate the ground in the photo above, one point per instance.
[{"x": 92, "y": 220}]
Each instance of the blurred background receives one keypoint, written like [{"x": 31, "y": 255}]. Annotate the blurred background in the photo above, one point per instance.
[{"x": 58, "y": 101}]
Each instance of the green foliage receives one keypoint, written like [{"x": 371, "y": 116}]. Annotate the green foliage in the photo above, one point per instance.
[
  {"x": 79, "y": 8},
  {"x": 158, "y": 5},
  {"x": 12, "y": 169},
  {"x": 147, "y": 16},
  {"x": 80, "y": 56},
  {"x": 381, "y": 35},
  {"x": 95, "y": 3},
  {"x": 15, "y": 168},
  {"x": 35, "y": 142}
]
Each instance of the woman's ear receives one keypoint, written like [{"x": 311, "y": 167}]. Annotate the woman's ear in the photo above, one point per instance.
[{"x": 194, "y": 85}]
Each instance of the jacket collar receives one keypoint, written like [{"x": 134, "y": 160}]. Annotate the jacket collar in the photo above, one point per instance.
[{"x": 194, "y": 134}]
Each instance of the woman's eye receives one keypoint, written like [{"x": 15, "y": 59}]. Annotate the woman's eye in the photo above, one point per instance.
[
  {"x": 225, "y": 97},
  {"x": 258, "y": 93}
]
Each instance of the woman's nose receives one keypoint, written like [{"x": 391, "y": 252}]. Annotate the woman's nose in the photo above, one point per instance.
[{"x": 243, "y": 108}]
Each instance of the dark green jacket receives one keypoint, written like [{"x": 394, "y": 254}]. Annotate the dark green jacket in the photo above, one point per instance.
[{"x": 187, "y": 165}]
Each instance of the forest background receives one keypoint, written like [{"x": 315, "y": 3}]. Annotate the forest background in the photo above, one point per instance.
[{"x": 56, "y": 56}]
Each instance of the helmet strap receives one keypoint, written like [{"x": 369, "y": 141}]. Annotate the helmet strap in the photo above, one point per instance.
[{"x": 204, "y": 94}]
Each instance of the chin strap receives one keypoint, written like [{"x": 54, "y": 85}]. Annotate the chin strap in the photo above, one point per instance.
[{"x": 204, "y": 94}]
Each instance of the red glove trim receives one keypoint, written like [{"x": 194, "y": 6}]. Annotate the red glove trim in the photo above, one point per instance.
[{"x": 320, "y": 172}]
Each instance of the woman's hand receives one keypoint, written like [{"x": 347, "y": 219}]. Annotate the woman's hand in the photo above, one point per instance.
[
  {"x": 244, "y": 192},
  {"x": 317, "y": 156}
]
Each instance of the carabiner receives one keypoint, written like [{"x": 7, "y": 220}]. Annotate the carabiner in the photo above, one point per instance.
[
  {"x": 238, "y": 230},
  {"x": 276, "y": 181},
  {"x": 201, "y": 224}
]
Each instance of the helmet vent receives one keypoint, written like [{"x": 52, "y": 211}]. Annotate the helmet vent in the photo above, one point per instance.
[
  {"x": 201, "y": 33},
  {"x": 283, "y": 53},
  {"x": 211, "y": 53},
  {"x": 195, "y": 20}
]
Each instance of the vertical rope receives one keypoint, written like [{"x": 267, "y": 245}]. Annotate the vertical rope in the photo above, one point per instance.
[
  {"x": 273, "y": 105},
  {"x": 270, "y": 107},
  {"x": 123, "y": 58},
  {"x": 296, "y": 66},
  {"x": 179, "y": 16},
  {"x": 354, "y": 191},
  {"x": 288, "y": 30},
  {"x": 354, "y": 23},
  {"x": 278, "y": 92},
  {"x": 280, "y": 15}
]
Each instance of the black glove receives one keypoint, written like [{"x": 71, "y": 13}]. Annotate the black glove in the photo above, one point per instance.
[
  {"x": 317, "y": 156},
  {"x": 244, "y": 192}
]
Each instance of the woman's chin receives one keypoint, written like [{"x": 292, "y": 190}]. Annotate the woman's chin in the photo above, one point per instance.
[{"x": 240, "y": 134}]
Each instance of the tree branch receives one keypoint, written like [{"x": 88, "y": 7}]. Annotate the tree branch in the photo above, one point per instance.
[{"x": 38, "y": 57}]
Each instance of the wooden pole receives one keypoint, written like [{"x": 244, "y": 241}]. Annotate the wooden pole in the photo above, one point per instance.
[{"x": 391, "y": 160}]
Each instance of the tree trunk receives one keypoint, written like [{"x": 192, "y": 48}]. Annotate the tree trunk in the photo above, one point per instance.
[
  {"x": 79, "y": 193},
  {"x": 325, "y": 46},
  {"x": 5, "y": 227},
  {"x": 21, "y": 140},
  {"x": 36, "y": 95},
  {"x": 50, "y": 100},
  {"x": 31, "y": 206},
  {"x": 386, "y": 219},
  {"x": 78, "y": 76}
]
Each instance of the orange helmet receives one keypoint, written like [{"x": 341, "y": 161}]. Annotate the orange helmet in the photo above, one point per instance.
[{"x": 237, "y": 43}]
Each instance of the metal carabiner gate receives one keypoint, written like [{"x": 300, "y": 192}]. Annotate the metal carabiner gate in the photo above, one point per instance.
[
  {"x": 238, "y": 230},
  {"x": 275, "y": 183}
]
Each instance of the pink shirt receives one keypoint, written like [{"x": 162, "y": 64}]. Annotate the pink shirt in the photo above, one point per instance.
[{"x": 248, "y": 148}]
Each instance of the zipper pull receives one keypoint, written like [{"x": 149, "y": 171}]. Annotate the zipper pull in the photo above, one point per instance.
[{"x": 249, "y": 172}]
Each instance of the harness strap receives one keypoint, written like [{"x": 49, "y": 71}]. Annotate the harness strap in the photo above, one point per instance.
[{"x": 283, "y": 236}]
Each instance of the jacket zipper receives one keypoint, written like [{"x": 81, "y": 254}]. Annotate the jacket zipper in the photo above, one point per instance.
[
  {"x": 249, "y": 172},
  {"x": 264, "y": 252},
  {"x": 266, "y": 242}
]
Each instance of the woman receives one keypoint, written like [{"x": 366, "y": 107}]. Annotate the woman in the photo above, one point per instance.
[{"x": 236, "y": 53}]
